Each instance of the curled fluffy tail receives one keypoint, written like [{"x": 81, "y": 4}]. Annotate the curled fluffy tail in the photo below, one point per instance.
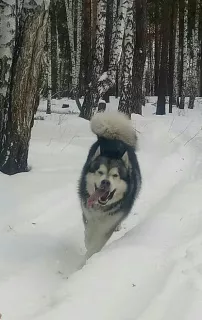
[{"x": 115, "y": 126}]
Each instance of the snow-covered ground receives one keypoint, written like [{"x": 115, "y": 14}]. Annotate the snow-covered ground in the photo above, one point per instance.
[{"x": 150, "y": 270}]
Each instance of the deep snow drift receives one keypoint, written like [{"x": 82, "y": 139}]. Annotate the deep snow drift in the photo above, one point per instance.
[{"x": 150, "y": 270}]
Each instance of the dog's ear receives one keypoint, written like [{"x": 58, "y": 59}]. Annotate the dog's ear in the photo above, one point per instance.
[
  {"x": 126, "y": 159},
  {"x": 96, "y": 154}
]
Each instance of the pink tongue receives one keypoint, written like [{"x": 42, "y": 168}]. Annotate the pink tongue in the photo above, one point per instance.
[{"x": 96, "y": 195}]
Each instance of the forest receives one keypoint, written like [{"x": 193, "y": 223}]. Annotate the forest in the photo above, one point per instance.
[
  {"x": 61, "y": 63},
  {"x": 89, "y": 50}
]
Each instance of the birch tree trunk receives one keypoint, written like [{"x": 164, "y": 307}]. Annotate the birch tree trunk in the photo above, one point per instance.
[
  {"x": 58, "y": 57},
  {"x": 23, "y": 56},
  {"x": 108, "y": 78},
  {"x": 7, "y": 44},
  {"x": 157, "y": 47},
  {"x": 91, "y": 95},
  {"x": 75, "y": 44},
  {"x": 194, "y": 58},
  {"x": 164, "y": 59},
  {"x": 49, "y": 78},
  {"x": 139, "y": 55},
  {"x": 174, "y": 11},
  {"x": 100, "y": 84},
  {"x": 176, "y": 83},
  {"x": 184, "y": 58},
  {"x": 200, "y": 54},
  {"x": 128, "y": 50}
]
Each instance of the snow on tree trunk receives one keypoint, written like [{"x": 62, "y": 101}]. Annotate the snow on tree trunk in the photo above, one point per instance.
[
  {"x": 194, "y": 59},
  {"x": 91, "y": 96},
  {"x": 128, "y": 50},
  {"x": 22, "y": 96},
  {"x": 184, "y": 58},
  {"x": 49, "y": 78}
]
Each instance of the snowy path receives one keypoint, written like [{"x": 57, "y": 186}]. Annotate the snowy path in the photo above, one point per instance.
[{"x": 150, "y": 270}]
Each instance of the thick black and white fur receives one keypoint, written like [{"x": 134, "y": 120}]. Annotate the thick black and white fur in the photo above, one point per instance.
[{"x": 111, "y": 158}]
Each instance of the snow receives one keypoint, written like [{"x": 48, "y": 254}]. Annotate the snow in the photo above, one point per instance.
[
  {"x": 150, "y": 270},
  {"x": 103, "y": 76}
]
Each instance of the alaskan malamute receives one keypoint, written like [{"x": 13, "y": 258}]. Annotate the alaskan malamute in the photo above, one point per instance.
[{"x": 110, "y": 180}]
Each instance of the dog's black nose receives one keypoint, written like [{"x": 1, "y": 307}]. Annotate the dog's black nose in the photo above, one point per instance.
[{"x": 105, "y": 183}]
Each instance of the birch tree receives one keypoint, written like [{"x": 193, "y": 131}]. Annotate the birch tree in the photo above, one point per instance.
[
  {"x": 7, "y": 44},
  {"x": 183, "y": 73},
  {"x": 108, "y": 78},
  {"x": 173, "y": 23},
  {"x": 49, "y": 78},
  {"x": 127, "y": 67},
  {"x": 164, "y": 58},
  {"x": 176, "y": 83},
  {"x": 101, "y": 82},
  {"x": 97, "y": 63},
  {"x": 74, "y": 12},
  {"x": 194, "y": 48},
  {"x": 22, "y": 49}
]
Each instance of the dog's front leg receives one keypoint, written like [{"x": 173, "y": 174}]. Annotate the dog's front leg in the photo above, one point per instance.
[{"x": 95, "y": 239}]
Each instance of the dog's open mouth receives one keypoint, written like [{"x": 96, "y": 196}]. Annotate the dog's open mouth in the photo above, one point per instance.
[
  {"x": 106, "y": 197},
  {"x": 101, "y": 195}
]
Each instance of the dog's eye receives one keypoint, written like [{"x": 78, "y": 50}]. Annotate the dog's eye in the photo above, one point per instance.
[
  {"x": 101, "y": 173},
  {"x": 115, "y": 175}
]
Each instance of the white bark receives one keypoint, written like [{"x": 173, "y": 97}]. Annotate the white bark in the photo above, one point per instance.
[
  {"x": 78, "y": 40},
  {"x": 7, "y": 36},
  {"x": 128, "y": 51},
  {"x": 185, "y": 57},
  {"x": 98, "y": 61},
  {"x": 177, "y": 60},
  {"x": 114, "y": 10},
  {"x": 116, "y": 49},
  {"x": 25, "y": 54},
  {"x": 49, "y": 78},
  {"x": 193, "y": 63},
  {"x": 92, "y": 97},
  {"x": 58, "y": 55},
  {"x": 75, "y": 49}
]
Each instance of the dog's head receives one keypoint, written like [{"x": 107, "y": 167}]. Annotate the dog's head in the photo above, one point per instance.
[{"x": 106, "y": 179}]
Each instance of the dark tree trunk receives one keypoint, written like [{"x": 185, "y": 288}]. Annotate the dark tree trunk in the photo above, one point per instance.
[
  {"x": 162, "y": 90},
  {"x": 139, "y": 55},
  {"x": 91, "y": 98},
  {"x": 86, "y": 55},
  {"x": 117, "y": 84},
  {"x": 23, "y": 95}
]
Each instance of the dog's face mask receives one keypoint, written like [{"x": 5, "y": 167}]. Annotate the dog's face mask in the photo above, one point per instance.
[{"x": 106, "y": 180}]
